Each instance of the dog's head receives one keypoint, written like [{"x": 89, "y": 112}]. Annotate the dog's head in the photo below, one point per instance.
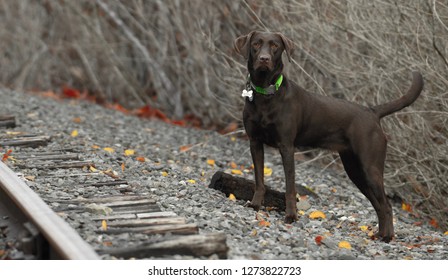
[{"x": 264, "y": 50}]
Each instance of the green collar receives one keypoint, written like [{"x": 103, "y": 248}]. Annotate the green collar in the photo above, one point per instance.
[{"x": 265, "y": 91}]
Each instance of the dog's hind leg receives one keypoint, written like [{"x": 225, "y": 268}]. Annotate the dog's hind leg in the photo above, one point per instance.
[{"x": 368, "y": 177}]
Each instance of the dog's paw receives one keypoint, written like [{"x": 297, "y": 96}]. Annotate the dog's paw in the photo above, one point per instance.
[{"x": 289, "y": 219}]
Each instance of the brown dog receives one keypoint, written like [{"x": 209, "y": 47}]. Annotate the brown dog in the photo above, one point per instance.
[{"x": 281, "y": 114}]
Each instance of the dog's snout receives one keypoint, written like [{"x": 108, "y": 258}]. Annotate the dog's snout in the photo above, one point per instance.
[{"x": 264, "y": 58}]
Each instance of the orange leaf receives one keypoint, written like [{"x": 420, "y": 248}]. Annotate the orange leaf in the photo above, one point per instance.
[
  {"x": 434, "y": 223},
  {"x": 77, "y": 120},
  {"x": 211, "y": 162},
  {"x": 185, "y": 148},
  {"x": 141, "y": 159},
  {"x": 6, "y": 155},
  {"x": 123, "y": 166},
  {"x": 264, "y": 223},
  {"x": 233, "y": 165}
]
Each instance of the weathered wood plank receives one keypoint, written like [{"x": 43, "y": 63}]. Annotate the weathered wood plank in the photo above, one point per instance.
[
  {"x": 147, "y": 222},
  {"x": 26, "y": 141},
  {"x": 158, "y": 229},
  {"x": 196, "y": 245}
]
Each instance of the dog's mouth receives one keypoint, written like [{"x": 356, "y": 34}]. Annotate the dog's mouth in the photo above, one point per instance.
[{"x": 263, "y": 66}]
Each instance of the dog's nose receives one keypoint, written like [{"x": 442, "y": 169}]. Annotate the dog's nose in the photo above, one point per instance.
[{"x": 264, "y": 58}]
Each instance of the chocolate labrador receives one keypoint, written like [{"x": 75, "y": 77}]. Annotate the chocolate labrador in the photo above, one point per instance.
[{"x": 281, "y": 114}]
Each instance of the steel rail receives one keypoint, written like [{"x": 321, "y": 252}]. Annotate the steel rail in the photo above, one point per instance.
[{"x": 64, "y": 241}]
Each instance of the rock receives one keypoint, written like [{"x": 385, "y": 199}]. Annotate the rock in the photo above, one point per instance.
[
  {"x": 98, "y": 209},
  {"x": 303, "y": 205}
]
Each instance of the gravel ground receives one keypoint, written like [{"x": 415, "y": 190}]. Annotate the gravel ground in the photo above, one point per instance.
[{"x": 178, "y": 169}]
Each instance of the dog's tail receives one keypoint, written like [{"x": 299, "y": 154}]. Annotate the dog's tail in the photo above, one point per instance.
[{"x": 404, "y": 101}]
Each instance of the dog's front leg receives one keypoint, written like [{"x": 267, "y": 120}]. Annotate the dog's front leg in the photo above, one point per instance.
[
  {"x": 257, "y": 152},
  {"x": 287, "y": 153}
]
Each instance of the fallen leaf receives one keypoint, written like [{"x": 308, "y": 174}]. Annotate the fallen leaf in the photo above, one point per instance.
[
  {"x": 6, "y": 155},
  {"x": 191, "y": 181},
  {"x": 232, "y": 197},
  {"x": 13, "y": 133},
  {"x": 77, "y": 120},
  {"x": 164, "y": 173},
  {"x": 406, "y": 207},
  {"x": 123, "y": 167},
  {"x": 109, "y": 149},
  {"x": 301, "y": 212},
  {"x": 254, "y": 232},
  {"x": 129, "y": 152},
  {"x": 233, "y": 138},
  {"x": 317, "y": 215},
  {"x": 104, "y": 225},
  {"x": 30, "y": 178},
  {"x": 93, "y": 169},
  {"x": 96, "y": 147},
  {"x": 185, "y": 148},
  {"x": 446, "y": 233},
  {"x": 364, "y": 228},
  {"x": 264, "y": 223},
  {"x": 434, "y": 223},
  {"x": 111, "y": 173},
  {"x": 141, "y": 159},
  {"x": 237, "y": 172},
  {"x": 267, "y": 171},
  {"x": 318, "y": 240},
  {"x": 233, "y": 165},
  {"x": 345, "y": 245},
  {"x": 211, "y": 162},
  {"x": 74, "y": 133}
]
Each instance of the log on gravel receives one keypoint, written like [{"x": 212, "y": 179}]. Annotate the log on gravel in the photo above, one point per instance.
[
  {"x": 203, "y": 245},
  {"x": 242, "y": 189},
  {"x": 7, "y": 121}
]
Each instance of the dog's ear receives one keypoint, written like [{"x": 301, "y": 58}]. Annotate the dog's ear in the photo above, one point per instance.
[
  {"x": 242, "y": 45},
  {"x": 289, "y": 45}
]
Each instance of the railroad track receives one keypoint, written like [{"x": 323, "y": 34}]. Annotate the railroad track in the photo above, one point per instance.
[{"x": 106, "y": 217}]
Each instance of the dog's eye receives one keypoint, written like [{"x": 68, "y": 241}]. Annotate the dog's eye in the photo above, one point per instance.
[
  {"x": 256, "y": 45},
  {"x": 274, "y": 46}
]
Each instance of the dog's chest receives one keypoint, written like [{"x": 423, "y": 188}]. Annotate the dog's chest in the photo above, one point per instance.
[{"x": 261, "y": 124}]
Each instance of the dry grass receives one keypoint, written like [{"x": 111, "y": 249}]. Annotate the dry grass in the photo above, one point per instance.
[{"x": 177, "y": 56}]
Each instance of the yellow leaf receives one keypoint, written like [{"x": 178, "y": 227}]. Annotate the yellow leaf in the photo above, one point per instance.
[
  {"x": 109, "y": 149},
  {"x": 267, "y": 171},
  {"x": 129, "y": 152},
  {"x": 406, "y": 207},
  {"x": 233, "y": 138},
  {"x": 74, "y": 133},
  {"x": 446, "y": 233},
  {"x": 254, "y": 232},
  {"x": 191, "y": 181},
  {"x": 164, "y": 173},
  {"x": 237, "y": 172},
  {"x": 345, "y": 245},
  {"x": 13, "y": 132},
  {"x": 317, "y": 215},
  {"x": 364, "y": 228},
  {"x": 232, "y": 197},
  {"x": 93, "y": 169},
  {"x": 301, "y": 212},
  {"x": 211, "y": 162},
  {"x": 104, "y": 225}
]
